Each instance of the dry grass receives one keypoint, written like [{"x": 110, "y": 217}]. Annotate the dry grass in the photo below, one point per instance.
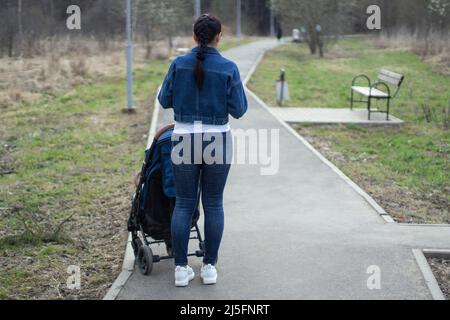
[
  {"x": 434, "y": 49},
  {"x": 441, "y": 270},
  {"x": 60, "y": 64}
]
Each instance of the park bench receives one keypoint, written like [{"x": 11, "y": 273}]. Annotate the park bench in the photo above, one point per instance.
[
  {"x": 179, "y": 52},
  {"x": 372, "y": 91}
]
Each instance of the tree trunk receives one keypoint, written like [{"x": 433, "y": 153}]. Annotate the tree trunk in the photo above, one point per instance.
[
  {"x": 148, "y": 45},
  {"x": 312, "y": 41},
  {"x": 319, "y": 39},
  {"x": 170, "y": 38},
  {"x": 19, "y": 19},
  {"x": 312, "y": 45},
  {"x": 320, "y": 44},
  {"x": 10, "y": 42}
]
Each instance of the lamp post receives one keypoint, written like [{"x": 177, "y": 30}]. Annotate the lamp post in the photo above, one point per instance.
[
  {"x": 239, "y": 20},
  {"x": 197, "y": 8},
  {"x": 272, "y": 23},
  {"x": 129, "y": 54}
]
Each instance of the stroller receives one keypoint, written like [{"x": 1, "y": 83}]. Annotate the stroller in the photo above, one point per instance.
[{"x": 153, "y": 204}]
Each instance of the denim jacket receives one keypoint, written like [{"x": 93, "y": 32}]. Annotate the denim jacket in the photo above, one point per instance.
[{"x": 222, "y": 93}]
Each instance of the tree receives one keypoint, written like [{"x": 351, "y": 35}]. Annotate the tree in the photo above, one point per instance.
[
  {"x": 158, "y": 19},
  {"x": 310, "y": 15},
  {"x": 19, "y": 22}
]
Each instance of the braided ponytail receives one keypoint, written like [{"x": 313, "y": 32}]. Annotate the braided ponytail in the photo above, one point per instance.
[{"x": 206, "y": 28}]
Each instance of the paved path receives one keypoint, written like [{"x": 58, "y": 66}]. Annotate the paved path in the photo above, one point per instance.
[
  {"x": 301, "y": 234},
  {"x": 333, "y": 116}
]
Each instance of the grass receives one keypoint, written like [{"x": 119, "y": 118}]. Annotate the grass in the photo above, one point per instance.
[
  {"x": 406, "y": 169},
  {"x": 65, "y": 199}
]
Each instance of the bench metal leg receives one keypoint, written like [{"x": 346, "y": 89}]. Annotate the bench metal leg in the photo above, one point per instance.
[
  {"x": 388, "y": 106},
  {"x": 351, "y": 100},
  {"x": 369, "y": 102}
]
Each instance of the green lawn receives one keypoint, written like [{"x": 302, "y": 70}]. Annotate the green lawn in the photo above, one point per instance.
[
  {"x": 72, "y": 157},
  {"x": 406, "y": 169}
]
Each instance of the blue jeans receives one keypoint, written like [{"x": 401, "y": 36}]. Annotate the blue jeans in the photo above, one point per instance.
[{"x": 190, "y": 177}]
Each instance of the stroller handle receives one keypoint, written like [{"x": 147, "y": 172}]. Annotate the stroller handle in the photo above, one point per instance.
[{"x": 163, "y": 130}]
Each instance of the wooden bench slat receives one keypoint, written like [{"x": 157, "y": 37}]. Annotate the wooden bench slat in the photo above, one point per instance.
[
  {"x": 390, "y": 80},
  {"x": 366, "y": 92},
  {"x": 390, "y": 77},
  {"x": 391, "y": 74}
]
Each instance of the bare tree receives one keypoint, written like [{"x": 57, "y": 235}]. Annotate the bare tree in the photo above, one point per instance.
[
  {"x": 20, "y": 25},
  {"x": 313, "y": 16}
]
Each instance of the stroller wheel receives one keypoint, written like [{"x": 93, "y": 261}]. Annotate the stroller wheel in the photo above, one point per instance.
[
  {"x": 136, "y": 244},
  {"x": 199, "y": 253},
  {"x": 145, "y": 260}
]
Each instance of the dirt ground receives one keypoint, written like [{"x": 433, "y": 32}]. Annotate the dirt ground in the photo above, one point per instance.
[
  {"x": 441, "y": 270},
  {"x": 96, "y": 235}
]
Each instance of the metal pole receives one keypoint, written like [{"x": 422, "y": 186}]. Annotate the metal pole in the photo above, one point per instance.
[
  {"x": 19, "y": 17},
  {"x": 129, "y": 53},
  {"x": 283, "y": 79},
  {"x": 239, "y": 20},
  {"x": 272, "y": 23},
  {"x": 197, "y": 8}
]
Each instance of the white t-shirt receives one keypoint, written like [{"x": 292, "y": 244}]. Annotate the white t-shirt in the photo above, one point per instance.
[{"x": 184, "y": 128}]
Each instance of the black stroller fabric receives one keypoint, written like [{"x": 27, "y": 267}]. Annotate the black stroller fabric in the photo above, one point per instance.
[
  {"x": 154, "y": 200},
  {"x": 156, "y": 215}
]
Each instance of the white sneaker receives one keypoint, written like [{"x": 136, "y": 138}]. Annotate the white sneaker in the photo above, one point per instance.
[
  {"x": 183, "y": 275},
  {"x": 208, "y": 274}
]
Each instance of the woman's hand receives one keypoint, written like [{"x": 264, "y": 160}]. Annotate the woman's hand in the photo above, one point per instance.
[{"x": 136, "y": 179}]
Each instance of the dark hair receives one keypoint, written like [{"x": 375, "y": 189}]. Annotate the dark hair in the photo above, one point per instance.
[{"x": 206, "y": 28}]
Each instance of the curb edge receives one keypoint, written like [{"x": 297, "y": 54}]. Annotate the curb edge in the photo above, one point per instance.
[{"x": 428, "y": 275}]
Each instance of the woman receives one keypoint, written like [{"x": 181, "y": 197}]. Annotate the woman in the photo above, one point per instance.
[{"x": 203, "y": 88}]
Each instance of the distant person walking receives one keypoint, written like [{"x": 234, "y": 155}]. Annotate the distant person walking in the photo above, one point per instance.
[
  {"x": 203, "y": 88},
  {"x": 280, "y": 33}
]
